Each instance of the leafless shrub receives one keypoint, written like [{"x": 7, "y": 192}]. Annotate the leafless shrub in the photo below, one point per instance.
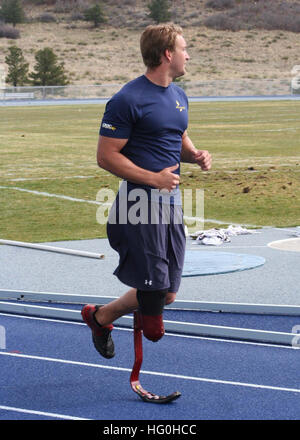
[
  {"x": 129, "y": 2},
  {"x": 40, "y": 2},
  {"x": 220, "y": 4},
  {"x": 77, "y": 16},
  {"x": 47, "y": 18},
  {"x": 9, "y": 32},
  {"x": 262, "y": 14},
  {"x": 65, "y": 6}
]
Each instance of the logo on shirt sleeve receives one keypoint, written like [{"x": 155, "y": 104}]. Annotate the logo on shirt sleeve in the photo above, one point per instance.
[
  {"x": 108, "y": 126},
  {"x": 179, "y": 107}
]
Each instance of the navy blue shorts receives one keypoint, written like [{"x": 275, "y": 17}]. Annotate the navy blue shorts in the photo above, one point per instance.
[{"x": 151, "y": 253}]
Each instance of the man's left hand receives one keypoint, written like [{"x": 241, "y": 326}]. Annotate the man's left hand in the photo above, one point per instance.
[{"x": 203, "y": 159}]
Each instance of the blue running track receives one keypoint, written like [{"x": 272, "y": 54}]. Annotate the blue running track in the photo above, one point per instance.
[{"x": 51, "y": 371}]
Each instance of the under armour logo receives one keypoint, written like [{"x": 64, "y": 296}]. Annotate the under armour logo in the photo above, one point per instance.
[{"x": 149, "y": 282}]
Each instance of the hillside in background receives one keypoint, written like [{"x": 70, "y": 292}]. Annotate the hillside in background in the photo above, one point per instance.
[{"x": 110, "y": 53}]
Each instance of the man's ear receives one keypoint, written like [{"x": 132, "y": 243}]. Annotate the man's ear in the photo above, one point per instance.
[{"x": 168, "y": 54}]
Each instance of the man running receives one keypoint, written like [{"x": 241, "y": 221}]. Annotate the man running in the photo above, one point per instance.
[{"x": 143, "y": 138}]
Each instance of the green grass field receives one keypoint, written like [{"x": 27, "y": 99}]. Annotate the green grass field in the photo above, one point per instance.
[{"x": 254, "y": 179}]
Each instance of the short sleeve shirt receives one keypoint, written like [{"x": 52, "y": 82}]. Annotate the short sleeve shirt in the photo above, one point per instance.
[{"x": 153, "y": 119}]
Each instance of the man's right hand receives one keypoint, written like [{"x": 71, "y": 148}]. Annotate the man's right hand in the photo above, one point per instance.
[{"x": 166, "y": 179}]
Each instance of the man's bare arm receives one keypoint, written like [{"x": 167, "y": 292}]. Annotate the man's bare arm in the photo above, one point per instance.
[
  {"x": 190, "y": 154},
  {"x": 110, "y": 158}
]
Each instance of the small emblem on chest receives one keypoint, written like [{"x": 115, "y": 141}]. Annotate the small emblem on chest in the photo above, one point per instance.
[{"x": 179, "y": 107}]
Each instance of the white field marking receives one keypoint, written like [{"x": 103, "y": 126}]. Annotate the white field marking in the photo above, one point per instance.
[
  {"x": 58, "y": 196},
  {"x": 288, "y": 244},
  {"x": 178, "y": 335},
  {"x": 242, "y": 119},
  {"x": 257, "y": 170},
  {"x": 218, "y": 130},
  {"x": 154, "y": 373},
  {"x": 225, "y": 247},
  {"x": 219, "y": 222},
  {"x": 255, "y": 159},
  {"x": 94, "y": 202},
  {"x": 40, "y": 413},
  {"x": 22, "y": 179},
  {"x": 258, "y": 161},
  {"x": 281, "y": 129}
]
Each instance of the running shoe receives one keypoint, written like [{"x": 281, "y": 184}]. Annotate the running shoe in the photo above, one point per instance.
[{"x": 101, "y": 334}]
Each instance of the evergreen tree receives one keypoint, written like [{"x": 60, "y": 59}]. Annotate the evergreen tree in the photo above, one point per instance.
[
  {"x": 159, "y": 11},
  {"x": 17, "y": 67},
  {"x": 95, "y": 14},
  {"x": 47, "y": 71},
  {"x": 12, "y": 11}
]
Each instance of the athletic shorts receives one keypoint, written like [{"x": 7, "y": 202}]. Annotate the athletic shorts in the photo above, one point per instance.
[{"x": 151, "y": 253}]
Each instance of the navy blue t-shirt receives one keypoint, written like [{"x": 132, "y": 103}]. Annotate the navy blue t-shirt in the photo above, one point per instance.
[{"x": 153, "y": 119}]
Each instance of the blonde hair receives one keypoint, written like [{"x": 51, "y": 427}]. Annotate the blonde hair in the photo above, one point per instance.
[{"x": 155, "y": 40}]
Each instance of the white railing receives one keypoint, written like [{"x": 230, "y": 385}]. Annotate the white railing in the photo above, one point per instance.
[
  {"x": 102, "y": 91},
  {"x": 236, "y": 87}
]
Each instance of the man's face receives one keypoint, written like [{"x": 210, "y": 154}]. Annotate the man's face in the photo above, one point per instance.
[{"x": 179, "y": 57}]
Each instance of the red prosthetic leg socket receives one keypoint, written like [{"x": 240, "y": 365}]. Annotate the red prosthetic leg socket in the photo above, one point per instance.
[{"x": 153, "y": 327}]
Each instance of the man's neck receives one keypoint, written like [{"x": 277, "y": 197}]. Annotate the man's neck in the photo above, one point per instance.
[{"x": 159, "y": 77}]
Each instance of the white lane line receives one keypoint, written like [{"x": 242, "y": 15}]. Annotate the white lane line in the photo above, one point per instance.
[
  {"x": 155, "y": 373},
  {"x": 40, "y": 413},
  {"x": 176, "y": 335}
]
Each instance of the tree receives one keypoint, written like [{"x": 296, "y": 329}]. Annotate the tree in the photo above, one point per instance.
[
  {"x": 12, "y": 11},
  {"x": 17, "y": 67},
  {"x": 159, "y": 10},
  {"x": 47, "y": 71},
  {"x": 95, "y": 14}
]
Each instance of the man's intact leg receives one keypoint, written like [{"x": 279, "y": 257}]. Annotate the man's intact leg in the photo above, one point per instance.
[
  {"x": 100, "y": 319},
  {"x": 108, "y": 313},
  {"x": 127, "y": 303}
]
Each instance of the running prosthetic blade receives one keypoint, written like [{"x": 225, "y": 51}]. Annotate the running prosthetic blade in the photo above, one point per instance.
[{"x": 146, "y": 396}]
